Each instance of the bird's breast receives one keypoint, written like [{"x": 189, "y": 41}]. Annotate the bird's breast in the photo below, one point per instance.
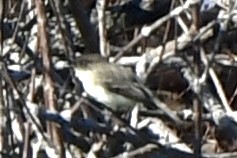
[{"x": 97, "y": 91}]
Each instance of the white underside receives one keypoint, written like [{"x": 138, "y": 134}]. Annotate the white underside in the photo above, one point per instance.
[{"x": 112, "y": 100}]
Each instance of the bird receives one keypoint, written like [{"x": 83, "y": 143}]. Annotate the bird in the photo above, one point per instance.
[{"x": 115, "y": 86}]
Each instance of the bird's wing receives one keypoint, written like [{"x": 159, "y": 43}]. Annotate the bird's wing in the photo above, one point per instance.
[
  {"x": 132, "y": 91},
  {"x": 123, "y": 82}
]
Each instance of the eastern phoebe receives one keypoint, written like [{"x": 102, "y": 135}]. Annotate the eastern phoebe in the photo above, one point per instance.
[{"x": 115, "y": 86}]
